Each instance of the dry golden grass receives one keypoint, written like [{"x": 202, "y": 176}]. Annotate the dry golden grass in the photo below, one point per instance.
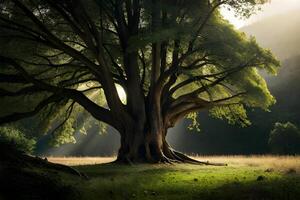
[
  {"x": 276, "y": 163},
  {"x": 72, "y": 161},
  {"x": 269, "y": 162}
]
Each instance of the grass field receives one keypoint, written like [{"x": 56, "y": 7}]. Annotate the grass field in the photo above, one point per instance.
[{"x": 253, "y": 178}]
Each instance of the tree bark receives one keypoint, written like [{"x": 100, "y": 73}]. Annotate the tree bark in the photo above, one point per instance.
[
  {"x": 139, "y": 146},
  {"x": 146, "y": 146}
]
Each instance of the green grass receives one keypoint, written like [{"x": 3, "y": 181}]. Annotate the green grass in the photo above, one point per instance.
[{"x": 184, "y": 182}]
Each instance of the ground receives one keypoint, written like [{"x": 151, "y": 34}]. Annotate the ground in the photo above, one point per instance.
[{"x": 254, "y": 178}]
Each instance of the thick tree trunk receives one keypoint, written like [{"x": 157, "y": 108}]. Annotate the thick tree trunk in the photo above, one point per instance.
[
  {"x": 151, "y": 147},
  {"x": 148, "y": 147},
  {"x": 143, "y": 129},
  {"x": 144, "y": 146}
]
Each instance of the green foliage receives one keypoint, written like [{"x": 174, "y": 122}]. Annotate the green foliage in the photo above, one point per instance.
[
  {"x": 65, "y": 134},
  {"x": 231, "y": 49},
  {"x": 285, "y": 139},
  {"x": 194, "y": 125},
  {"x": 14, "y": 135},
  {"x": 232, "y": 113},
  {"x": 234, "y": 62},
  {"x": 245, "y": 8}
]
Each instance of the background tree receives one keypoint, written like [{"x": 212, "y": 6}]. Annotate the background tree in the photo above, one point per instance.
[
  {"x": 285, "y": 139},
  {"x": 172, "y": 58}
]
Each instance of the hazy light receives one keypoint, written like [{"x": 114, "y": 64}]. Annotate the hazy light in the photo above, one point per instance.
[
  {"x": 230, "y": 16},
  {"x": 121, "y": 93},
  {"x": 275, "y": 7}
]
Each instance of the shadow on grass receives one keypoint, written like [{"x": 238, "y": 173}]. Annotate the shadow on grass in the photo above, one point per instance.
[
  {"x": 285, "y": 188},
  {"x": 110, "y": 181},
  {"x": 34, "y": 184},
  {"x": 150, "y": 182}
]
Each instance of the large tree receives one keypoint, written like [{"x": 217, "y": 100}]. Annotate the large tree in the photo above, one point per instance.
[{"x": 173, "y": 58}]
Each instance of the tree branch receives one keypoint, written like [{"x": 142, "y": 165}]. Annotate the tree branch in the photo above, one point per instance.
[
  {"x": 17, "y": 116},
  {"x": 95, "y": 110}
]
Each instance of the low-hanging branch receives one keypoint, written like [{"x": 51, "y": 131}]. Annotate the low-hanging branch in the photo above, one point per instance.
[
  {"x": 94, "y": 109},
  {"x": 17, "y": 116}
]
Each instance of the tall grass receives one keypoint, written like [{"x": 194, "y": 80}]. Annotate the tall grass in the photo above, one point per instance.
[{"x": 74, "y": 161}]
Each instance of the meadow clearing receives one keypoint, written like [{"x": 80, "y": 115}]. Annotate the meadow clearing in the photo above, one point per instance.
[
  {"x": 277, "y": 163},
  {"x": 245, "y": 177}
]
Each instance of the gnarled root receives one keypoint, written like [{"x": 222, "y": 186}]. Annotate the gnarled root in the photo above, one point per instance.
[
  {"x": 182, "y": 158},
  {"x": 165, "y": 156},
  {"x": 194, "y": 161}
]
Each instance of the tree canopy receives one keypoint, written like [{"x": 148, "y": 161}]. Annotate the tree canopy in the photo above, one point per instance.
[{"x": 60, "y": 59}]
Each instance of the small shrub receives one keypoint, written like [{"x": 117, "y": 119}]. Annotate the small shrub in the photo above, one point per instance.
[
  {"x": 13, "y": 135},
  {"x": 285, "y": 139}
]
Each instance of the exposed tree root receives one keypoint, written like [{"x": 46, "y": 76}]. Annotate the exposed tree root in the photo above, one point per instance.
[
  {"x": 154, "y": 151},
  {"x": 187, "y": 159},
  {"x": 168, "y": 156}
]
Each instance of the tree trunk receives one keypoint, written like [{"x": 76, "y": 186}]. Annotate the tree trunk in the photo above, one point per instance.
[
  {"x": 151, "y": 147},
  {"x": 144, "y": 146},
  {"x": 148, "y": 147},
  {"x": 143, "y": 131}
]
